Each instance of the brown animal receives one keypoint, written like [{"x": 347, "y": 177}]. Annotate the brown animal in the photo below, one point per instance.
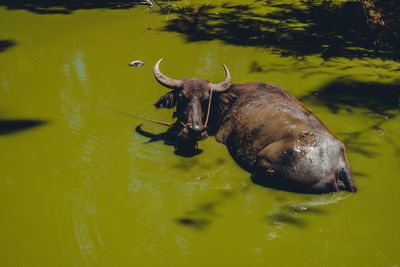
[{"x": 266, "y": 130}]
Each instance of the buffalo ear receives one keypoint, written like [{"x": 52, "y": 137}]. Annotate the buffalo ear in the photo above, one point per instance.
[{"x": 166, "y": 101}]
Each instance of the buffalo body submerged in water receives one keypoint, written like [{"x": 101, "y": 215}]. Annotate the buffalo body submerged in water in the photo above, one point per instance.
[{"x": 266, "y": 130}]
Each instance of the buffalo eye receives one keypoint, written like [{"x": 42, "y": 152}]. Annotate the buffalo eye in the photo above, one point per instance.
[{"x": 181, "y": 97}]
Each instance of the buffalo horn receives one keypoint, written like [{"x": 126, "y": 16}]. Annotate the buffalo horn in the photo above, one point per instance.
[
  {"x": 222, "y": 86},
  {"x": 164, "y": 80}
]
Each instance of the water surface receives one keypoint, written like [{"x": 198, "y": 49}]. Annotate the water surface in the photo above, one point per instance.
[{"x": 80, "y": 186}]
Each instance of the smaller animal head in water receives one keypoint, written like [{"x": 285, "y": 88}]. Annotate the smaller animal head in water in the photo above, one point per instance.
[{"x": 192, "y": 99}]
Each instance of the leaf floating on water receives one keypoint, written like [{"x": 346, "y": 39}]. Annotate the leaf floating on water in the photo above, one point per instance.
[{"x": 136, "y": 64}]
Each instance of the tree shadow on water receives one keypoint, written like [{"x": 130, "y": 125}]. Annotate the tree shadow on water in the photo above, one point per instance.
[
  {"x": 320, "y": 28},
  {"x": 200, "y": 217},
  {"x": 6, "y": 44},
  {"x": 287, "y": 217},
  {"x": 195, "y": 224},
  {"x": 347, "y": 94},
  {"x": 379, "y": 101},
  {"x": 18, "y": 125},
  {"x": 297, "y": 213},
  {"x": 66, "y": 6},
  {"x": 308, "y": 69}
]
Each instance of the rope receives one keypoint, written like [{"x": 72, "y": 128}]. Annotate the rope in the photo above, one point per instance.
[
  {"x": 150, "y": 120},
  {"x": 184, "y": 125},
  {"x": 139, "y": 117}
]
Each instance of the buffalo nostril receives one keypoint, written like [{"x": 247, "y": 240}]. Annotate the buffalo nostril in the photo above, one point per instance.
[
  {"x": 340, "y": 185},
  {"x": 197, "y": 129}
]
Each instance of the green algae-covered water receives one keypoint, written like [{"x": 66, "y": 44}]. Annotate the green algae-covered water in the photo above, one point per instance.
[{"x": 82, "y": 184}]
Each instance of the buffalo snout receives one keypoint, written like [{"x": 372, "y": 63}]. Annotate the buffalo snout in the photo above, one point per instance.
[
  {"x": 197, "y": 133},
  {"x": 196, "y": 128}
]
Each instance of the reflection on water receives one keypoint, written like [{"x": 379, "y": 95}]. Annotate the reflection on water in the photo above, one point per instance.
[
  {"x": 71, "y": 109},
  {"x": 84, "y": 206},
  {"x": 82, "y": 186},
  {"x": 81, "y": 72},
  {"x": 295, "y": 213}
]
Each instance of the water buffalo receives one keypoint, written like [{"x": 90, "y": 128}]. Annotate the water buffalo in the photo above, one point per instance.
[{"x": 266, "y": 130}]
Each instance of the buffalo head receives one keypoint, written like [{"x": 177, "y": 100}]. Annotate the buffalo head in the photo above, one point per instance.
[{"x": 192, "y": 99}]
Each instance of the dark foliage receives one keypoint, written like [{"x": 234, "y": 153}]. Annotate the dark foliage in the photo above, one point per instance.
[
  {"x": 323, "y": 28},
  {"x": 384, "y": 18},
  {"x": 317, "y": 27}
]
